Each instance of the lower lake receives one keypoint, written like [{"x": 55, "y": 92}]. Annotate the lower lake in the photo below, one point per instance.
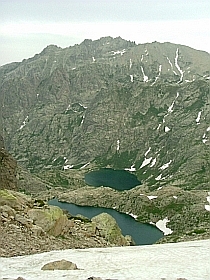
[
  {"x": 108, "y": 177},
  {"x": 142, "y": 234}
]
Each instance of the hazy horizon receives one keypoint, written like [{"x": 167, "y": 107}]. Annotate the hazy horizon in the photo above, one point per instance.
[{"x": 27, "y": 27}]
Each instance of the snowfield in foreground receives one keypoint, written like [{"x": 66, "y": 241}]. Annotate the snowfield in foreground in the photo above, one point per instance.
[{"x": 186, "y": 260}]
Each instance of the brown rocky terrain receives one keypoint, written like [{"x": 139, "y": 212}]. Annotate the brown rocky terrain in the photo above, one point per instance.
[
  {"x": 8, "y": 169},
  {"x": 28, "y": 226}
]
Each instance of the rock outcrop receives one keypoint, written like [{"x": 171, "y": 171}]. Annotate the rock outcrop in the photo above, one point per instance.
[
  {"x": 50, "y": 219},
  {"x": 60, "y": 265},
  {"x": 8, "y": 169},
  {"x": 29, "y": 226},
  {"x": 109, "y": 229}
]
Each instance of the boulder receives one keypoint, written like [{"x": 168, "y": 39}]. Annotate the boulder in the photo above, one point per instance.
[
  {"x": 51, "y": 219},
  {"x": 15, "y": 200},
  {"x": 109, "y": 229},
  {"x": 60, "y": 265}
]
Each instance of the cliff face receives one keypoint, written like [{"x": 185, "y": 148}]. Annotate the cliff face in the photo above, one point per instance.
[
  {"x": 112, "y": 102},
  {"x": 8, "y": 169}
]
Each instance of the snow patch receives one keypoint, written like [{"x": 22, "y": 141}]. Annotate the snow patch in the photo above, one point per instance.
[
  {"x": 161, "y": 224},
  {"x": 207, "y": 207},
  {"x": 24, "y": 123},
  {"x": 131, "y": 169},
  {"x": 147, "y": 151},
  {"x": 68, "y": 166},
  {"x": 85, "y": 165},
  {"x": 132, "y": 215},
  {"x": 93, "y": 59},
  {"x": 198, "y": 117},
  {"x": 159, "y": 126},
  {"x": 131, "y": 76},
  {"x": 153, "y": 162},
  {"x": 177, "y": 66},
  {"x": 118, "y": 52},
  {"x": 82, "y": 121},
  {"x": 166, "y": 165},
  {"x": 158, "y": 177},
  {"x": 174, "y": 196},
  {"x": 167, "y": 129},
  {"x": 130, "y": 63},
  {"x": 118, "y": 145},
  {"x": 146, "y": 162},
  {"x": 156, "y": 78},
  {"x": 170, "y": 63},
  {"x": 151, "y": 197},
  {"x": 145, "y": 77},
  {"x": 85, "y": 107},
  {"x": 182, "y": 260}
]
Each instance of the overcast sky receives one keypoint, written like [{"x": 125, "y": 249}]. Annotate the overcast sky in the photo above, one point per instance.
[{"x": 28, "y": 26}]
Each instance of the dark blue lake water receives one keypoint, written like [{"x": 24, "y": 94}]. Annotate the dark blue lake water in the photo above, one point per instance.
[
  {"x": 142, "y": 234},
  {"x": 116, "y": 179}
]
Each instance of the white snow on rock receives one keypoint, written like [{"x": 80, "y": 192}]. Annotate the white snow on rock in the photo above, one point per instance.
[
  {"x": 172, "y": 261},
  {"x": 146, "y": 162},
  {"x": 159, "y": 126},
  {"x": 170, "y": 108},
  {"x": 156, "y": 78},
  {"x": 170, "y": 63},
  {"x": 208, "y": 129},
  {"x": 198, "y": 117},
  {"x": 151, "y": 196},
  {"x": 131, "y": 169},
  {"x": 24, "y": 123},
  {"x": 177, "y": 66},
  {"x": 68, "y": 166},
  {"x": 132, "y": 215},
  {"x": 161, "y": 224},
  {"x": 207, "y": 207},
  {"x": 158, "y": 177},
  {"x": 118, "y": 145},
  {"x": 68, "y": 108},
  {"x": 166, "y": 165},
  {"x": 130, "y": 63},
  {"x": 131, "y": 76},
  {"x": 153, "y": 162},
  {"x": 174, "y": 196},
  {"x": 167, "y": 129},
  {"x": 85, "y": 107},
  {"x": 118, "y": 52},
  {"x": 83, "y": 118},
  {"x": 85, "y": 165},
  {"x": 147, "y": 151},
  {"x": 145, "y": 77}
]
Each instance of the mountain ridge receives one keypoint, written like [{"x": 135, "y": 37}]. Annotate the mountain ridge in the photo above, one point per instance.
[{"x": 81, "y": 94}]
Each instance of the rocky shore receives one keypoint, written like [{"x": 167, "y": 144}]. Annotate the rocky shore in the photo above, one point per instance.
[{"x": 28, "y": 226}]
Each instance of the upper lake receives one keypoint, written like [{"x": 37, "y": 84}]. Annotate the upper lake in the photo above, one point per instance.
[{"x": 116, "y": 179}]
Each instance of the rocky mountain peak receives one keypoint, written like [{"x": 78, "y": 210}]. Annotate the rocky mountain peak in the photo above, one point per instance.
[{"x": 110, "y": 102}]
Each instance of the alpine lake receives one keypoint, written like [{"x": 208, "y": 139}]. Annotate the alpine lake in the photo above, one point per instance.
[{"x": 141, "y": 233}]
